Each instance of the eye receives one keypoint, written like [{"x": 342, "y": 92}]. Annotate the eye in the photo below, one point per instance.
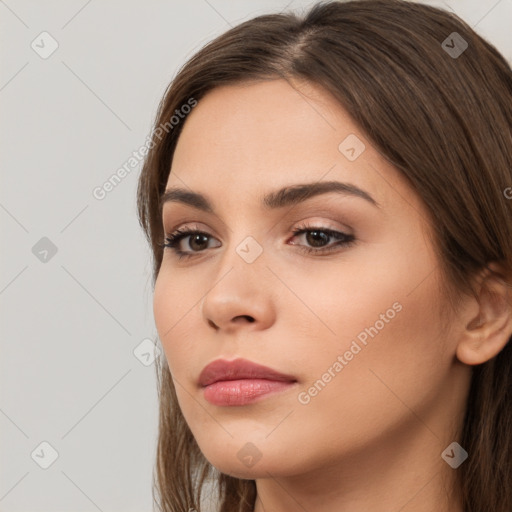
[
  {"x": 197, "y": 242},
  {"x": 318, "y": 237}
]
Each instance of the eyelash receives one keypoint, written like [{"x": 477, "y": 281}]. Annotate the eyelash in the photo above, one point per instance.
[{"x": 344, "y": 240}]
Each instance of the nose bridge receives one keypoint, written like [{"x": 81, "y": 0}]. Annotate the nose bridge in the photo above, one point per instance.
[
  {"x": 241, "y": 267},
  {"x": 244, "y": 249},
  {"x": 236, "y": 291}
]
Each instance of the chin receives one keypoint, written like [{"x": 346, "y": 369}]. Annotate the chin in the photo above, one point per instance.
[
  {"x": 249, "y": 463},
  {"x": 243, "y": 474}
]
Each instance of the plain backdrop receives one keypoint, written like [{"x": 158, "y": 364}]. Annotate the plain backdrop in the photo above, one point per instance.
[{"x": 78, "y": 404}]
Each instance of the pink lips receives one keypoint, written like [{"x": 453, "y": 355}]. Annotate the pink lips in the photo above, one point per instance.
[{"x": 240, "y": 382}]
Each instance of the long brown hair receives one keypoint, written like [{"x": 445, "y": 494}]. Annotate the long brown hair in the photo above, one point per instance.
[{"x": 441, "y": 113}]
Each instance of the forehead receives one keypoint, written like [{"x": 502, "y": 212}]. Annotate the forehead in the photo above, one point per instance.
[
  {"x": 243, "y": 140},
  {"x": 253, "y": 125}
]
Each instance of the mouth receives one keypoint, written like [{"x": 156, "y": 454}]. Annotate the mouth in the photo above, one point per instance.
[
  {"x": 243, "y": 391},
  {"x": 240, "y": 382}
]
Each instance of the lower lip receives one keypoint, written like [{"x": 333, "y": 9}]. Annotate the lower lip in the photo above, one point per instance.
[{"x": 242, "y": 392}]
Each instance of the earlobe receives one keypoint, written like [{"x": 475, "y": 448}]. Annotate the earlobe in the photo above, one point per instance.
[{"x": 487, "y": 333}]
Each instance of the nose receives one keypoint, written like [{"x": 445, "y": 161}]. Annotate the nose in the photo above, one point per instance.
[{"x": 241, "y": 296}]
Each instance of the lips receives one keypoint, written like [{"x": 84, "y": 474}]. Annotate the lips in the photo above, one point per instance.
[{"x": 223, "y": 370}]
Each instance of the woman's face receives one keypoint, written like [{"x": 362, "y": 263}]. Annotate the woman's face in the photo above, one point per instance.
[{"x": 357, "y": 325}]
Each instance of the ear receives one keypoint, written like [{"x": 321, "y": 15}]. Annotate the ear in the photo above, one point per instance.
[{"x": 487, "y": 332}]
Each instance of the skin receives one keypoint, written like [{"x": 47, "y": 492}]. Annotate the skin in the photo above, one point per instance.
[{"x": 372, "y": 438}]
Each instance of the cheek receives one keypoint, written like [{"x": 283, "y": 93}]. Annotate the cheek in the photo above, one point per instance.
[
  {"x": 380, "y": 313},
  {"x": 172, "y": 302},
  {"x": 400, "y": 369},
  {"x": 164, "y": 307}
]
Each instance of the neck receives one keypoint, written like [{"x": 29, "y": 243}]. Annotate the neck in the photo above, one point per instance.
[{"x": 406, "y": 475}]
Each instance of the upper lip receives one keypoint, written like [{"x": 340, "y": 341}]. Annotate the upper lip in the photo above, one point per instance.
[{"x": 221, "y": 369}]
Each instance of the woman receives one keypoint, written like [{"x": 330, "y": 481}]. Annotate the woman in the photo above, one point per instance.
[{"x": 327, "y": 199}]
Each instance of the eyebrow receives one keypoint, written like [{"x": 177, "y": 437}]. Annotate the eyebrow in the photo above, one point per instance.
[{"x": 286, "y": 196}]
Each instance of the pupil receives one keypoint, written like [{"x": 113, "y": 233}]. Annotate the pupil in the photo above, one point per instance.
[
  {"x": 198, "y": 237},
  {"x": 314, "y": 237}
]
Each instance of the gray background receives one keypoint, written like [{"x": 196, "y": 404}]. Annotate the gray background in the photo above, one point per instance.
[{"x": 72, "y": 320}]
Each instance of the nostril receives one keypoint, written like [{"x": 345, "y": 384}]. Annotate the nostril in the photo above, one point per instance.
[{"x": 247, "y": 317}]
